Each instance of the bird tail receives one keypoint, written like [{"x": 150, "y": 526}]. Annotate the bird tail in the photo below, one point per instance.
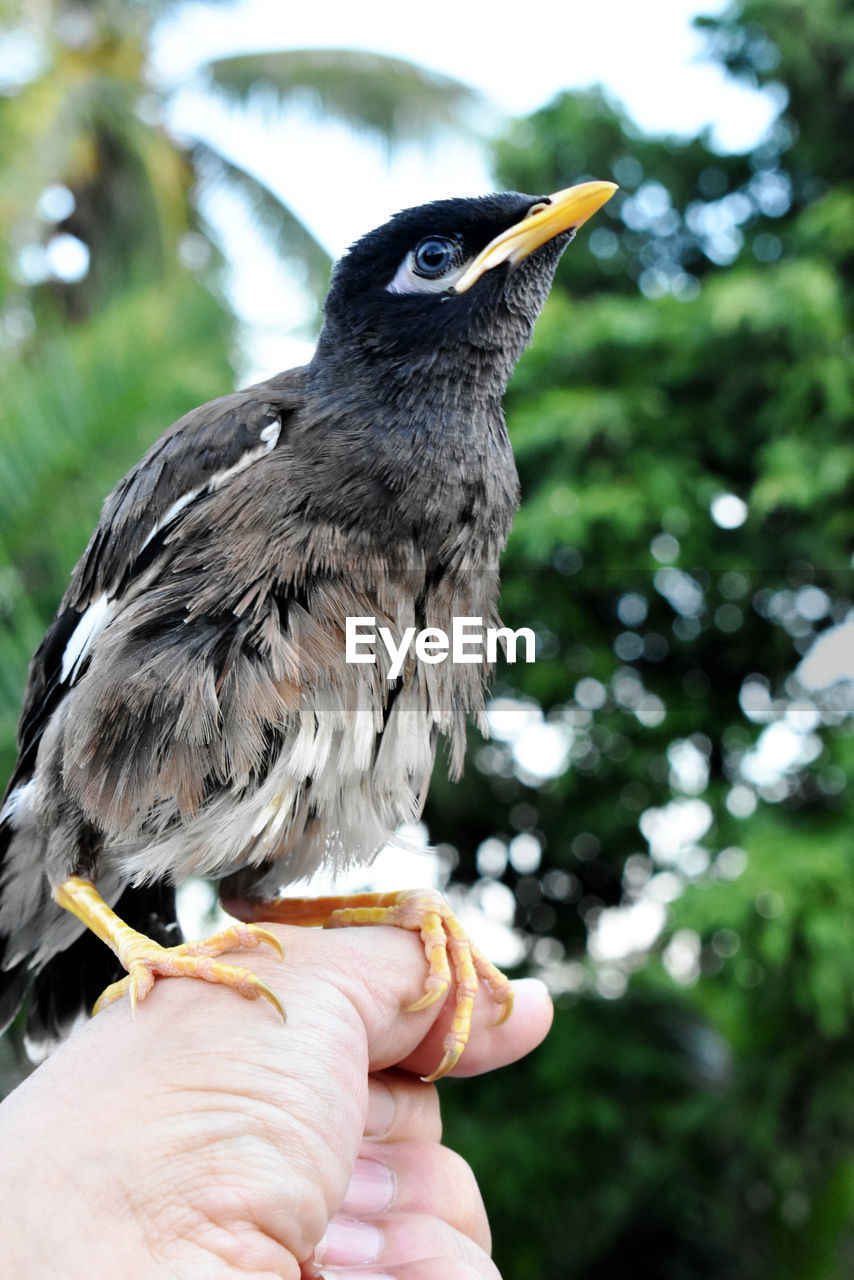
[
  {"x": 48, "y": 961},
  {"x": 15, "y": 971}
]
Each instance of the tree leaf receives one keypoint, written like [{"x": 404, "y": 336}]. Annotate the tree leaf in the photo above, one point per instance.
[
  {"x": 394, "y": 99},
  {"x": 289, "y": 236}
]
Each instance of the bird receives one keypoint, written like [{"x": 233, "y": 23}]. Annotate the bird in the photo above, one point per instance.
[{"x": 191, "y": 711}]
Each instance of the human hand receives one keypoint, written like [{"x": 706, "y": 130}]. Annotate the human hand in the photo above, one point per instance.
[{"x": 204, "y": 1141}]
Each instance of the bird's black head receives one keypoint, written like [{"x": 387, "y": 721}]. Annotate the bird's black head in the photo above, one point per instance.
[{"x": 452, "y": 289}]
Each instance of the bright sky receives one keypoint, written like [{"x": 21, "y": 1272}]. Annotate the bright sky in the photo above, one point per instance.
[{"x": 647, "y": 54}]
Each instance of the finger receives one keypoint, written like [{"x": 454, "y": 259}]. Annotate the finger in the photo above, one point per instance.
[
  {"x": 368, "y": 967},
  {"x": 490, "y": 1046},
  {"x": 381, "y": 1246},
  {"x": 417, "y": 1178},
  {"x": 401, "y": 1107}
]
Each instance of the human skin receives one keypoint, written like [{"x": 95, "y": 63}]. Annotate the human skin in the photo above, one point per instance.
[{"x": 203, "y": 1140}]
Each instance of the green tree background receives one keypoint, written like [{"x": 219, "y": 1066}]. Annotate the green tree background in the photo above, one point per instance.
[{"x": 682, "y": 428}]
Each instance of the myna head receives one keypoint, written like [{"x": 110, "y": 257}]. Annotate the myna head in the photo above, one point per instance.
[{"x": 455, "y": 274}]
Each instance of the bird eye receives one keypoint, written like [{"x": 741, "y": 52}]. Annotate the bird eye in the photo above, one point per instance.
[
  {"x": 434, "y": 255},
  {"x": 431, "y": 267}
]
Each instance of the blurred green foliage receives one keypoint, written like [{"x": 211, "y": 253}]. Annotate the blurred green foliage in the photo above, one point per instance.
[
  {"x": 682, "y": 429},
  {"x": 87, "y": 400}
]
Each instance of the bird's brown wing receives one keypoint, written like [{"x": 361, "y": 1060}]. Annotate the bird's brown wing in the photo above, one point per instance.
[{"x": 195, "y": 456}]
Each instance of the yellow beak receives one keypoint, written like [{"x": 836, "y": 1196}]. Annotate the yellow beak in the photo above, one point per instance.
[{"x": 564, "y": 211}]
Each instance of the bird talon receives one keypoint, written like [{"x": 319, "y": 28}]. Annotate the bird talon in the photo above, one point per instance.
[
  {"x": 266, "y": 935},
  {"x": 236, "y": 935},
  {"x": 134, "y": 994},
  {"x": 506, "y": 1009},
  {"x": 450, "y": 1058},
  {"x": 429, "y": 998},
  {"x": 267, "y": 993},
  {"x": 110, "y": 995}
]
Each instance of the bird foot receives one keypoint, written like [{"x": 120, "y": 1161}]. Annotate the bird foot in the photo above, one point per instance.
[
  {"x": 146, "y": 960},
  {"x": 450, "y": 954}
]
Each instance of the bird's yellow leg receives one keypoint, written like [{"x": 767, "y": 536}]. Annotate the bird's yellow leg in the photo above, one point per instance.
[
  {"x": 146, "y": 960},
  {"x": 446, "y": 947}
]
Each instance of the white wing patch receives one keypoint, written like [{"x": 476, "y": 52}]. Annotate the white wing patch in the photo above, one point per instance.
[
  {"x": 90, "y": 626},
  {"x": 101, "y": 611},
  {"x": 269, "y": 437},
  {"x": 170, "y": 514},
  {"x": 17, "y": 800},
  {"x": 270, "y": 434}
]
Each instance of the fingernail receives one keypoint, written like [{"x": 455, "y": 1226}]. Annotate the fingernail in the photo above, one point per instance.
[
  {"x": 363, "y": 1275},
  {"x": 371, "y": 1190},
  {"x": 380, "y": 1115},
  {"x": 349, "y": 1243}
]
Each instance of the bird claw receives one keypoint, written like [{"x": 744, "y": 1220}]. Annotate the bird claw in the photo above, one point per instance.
[
  {"x": 236, "y": 935},
  {"x": 434, "y": 990},
  {"x": 147, "y": 960},
  {"x": 448, "y": 949}
]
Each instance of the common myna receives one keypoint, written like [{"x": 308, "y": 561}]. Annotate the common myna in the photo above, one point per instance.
[{"x": 191, "y": 710}]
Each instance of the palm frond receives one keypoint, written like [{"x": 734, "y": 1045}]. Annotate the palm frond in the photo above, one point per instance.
[
  {"x": 290, "y": 237},
  {"x": 385, "y": 96}
]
